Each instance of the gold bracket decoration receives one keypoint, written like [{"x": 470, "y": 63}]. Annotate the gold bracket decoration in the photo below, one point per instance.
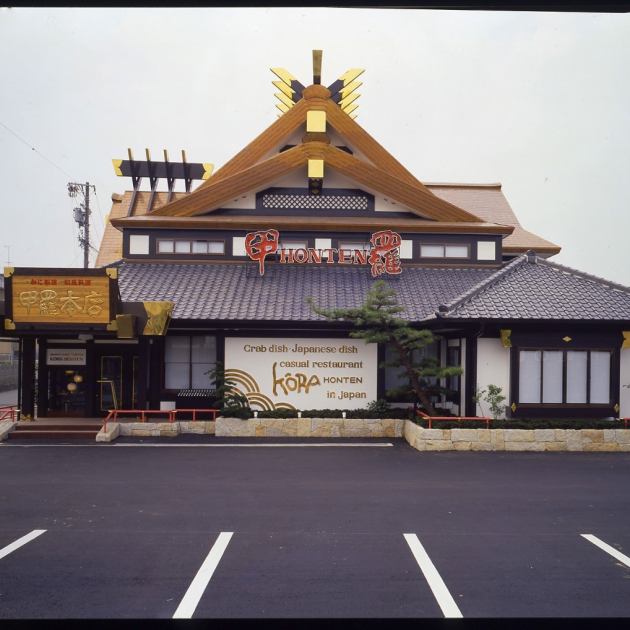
[
  {"x": 125, "y": 326},
  {"x": 567, "y": 339},
  {"x": 626, "y": 339},
  {"x": 616, "y": 407},
  {"x": 112, "y": 273},
  {"x": 112, "y": 326},
  {"x": 513, "y": 407},
  {"x": 9, "y": 324},
  {"x": 158, "y": 317},
  {"x": 505, "y": 337},
  {"x": 207, "y": 170},
  {"x": 9, "y": 271},
  {"x": 117, "y": 164}
]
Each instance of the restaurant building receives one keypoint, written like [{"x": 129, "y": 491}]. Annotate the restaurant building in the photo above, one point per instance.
[{"x": 313, "y": 207}]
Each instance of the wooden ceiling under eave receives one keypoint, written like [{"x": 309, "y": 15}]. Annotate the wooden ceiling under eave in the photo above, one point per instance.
[{"x": 309, "y": 223}]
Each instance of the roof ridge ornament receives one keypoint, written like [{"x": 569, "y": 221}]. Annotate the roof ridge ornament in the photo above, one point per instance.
[{"x": 342, "y": 90}]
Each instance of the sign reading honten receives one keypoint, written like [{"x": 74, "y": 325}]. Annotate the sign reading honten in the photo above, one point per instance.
[
  {"x": 383, "y": 255},
  {"x": 60, "y": 299}
]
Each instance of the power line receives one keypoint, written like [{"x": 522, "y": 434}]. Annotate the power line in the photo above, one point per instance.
[{"x": 32, "y": 148}]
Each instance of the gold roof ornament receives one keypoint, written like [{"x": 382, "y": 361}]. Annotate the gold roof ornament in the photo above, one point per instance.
[{"x": 342, "y": 90}]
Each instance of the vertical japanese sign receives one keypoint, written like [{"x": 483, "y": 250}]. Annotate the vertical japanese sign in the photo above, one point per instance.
[{"x": 60, "y": 298}]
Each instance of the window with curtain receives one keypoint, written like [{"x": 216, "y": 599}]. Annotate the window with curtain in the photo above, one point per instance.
[
  {"x": 187, "y": 359},
  {"x": 564, "y": 376}
]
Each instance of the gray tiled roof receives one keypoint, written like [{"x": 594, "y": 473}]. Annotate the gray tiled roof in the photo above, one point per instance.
[
  {"x": 525, "y": 288},
  {"x": 534, "y": 288},
  {"x": 237, "y": 292}
]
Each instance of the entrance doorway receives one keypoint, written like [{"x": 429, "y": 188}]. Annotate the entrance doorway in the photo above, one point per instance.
[
  {"x": 117, "y": 379},
  {"x": 66, "y": 391}
]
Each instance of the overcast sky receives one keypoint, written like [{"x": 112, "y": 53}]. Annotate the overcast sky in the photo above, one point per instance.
[{"x": 537, "y": 101}]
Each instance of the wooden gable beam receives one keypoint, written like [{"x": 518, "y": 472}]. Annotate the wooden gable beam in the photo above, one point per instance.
[
  {"x": 364, "y": 142},
  {"x": 255, "y": 177},
  {"x": 260, "y": 146},
  {"x": 420, "y": 200}
]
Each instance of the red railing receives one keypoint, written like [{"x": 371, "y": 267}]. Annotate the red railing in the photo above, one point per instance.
[
  {"x": 142, "y": 413},
  {"x": 431, "y": 419},
  {"x": 8, "y": 411}
]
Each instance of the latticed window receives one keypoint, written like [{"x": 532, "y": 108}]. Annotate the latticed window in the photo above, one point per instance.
[{"x": 297, "y": 201}]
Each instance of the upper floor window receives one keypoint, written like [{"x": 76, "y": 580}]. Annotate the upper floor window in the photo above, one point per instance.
[
  {"x": 186, "y": 246},
  {"x": 293, "y": 245},
  {"x": 351, "y": 245},
  {"x": 444, "y": 250}
]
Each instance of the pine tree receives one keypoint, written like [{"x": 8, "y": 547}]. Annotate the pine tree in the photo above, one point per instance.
[{"x": 377, "y": 321}]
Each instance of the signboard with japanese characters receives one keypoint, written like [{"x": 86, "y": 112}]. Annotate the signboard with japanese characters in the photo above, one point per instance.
[
  {"x": 383, "y": 256},
  {"x": 41, "y": 296},
  {"x": 302, "y": 373}
]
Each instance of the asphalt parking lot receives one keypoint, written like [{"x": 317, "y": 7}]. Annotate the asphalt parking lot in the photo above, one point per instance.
[{"x": 205, "y": 529}]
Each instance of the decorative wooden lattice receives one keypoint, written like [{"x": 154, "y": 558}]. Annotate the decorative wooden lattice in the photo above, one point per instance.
[{"x": 292, "y": 201}]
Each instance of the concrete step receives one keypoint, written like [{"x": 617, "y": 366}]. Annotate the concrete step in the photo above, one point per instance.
[
  {"x": 18, "y": 434},
  {"x": 36, "y": 428}
]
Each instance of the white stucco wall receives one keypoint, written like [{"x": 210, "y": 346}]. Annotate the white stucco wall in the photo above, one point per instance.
[
  {"x": 624, "y": 379},
  {"x": 493, "y": 368}
]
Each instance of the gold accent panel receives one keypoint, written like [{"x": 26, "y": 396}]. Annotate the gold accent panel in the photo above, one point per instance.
[
  {"x": 8, "y": 324},
  {"x": 283, "y": 108},
  {"x": 26, "y": 417},
  {"x": 351, "y": 87},
  {"x": 125, "y": 326},
  {"x": 284, "y": 99},
  {"x": 350, "y": 75},
  {"x": 315, "y": 121},
  {"x": 348, "y": 100},
  {"x": 117, "y": 164},
  {"x": 316, "y": 169},
  {"x": 284, "y": 75},
  {"x": 505, "y": 337},
  {"x": 626, "y": 339},
  {"x": 513, "y": 407},
  {"x": 9, "y": 271},
  {"x": 112, "y": 326},
  {"x": 566, "y": 339},
  {"x": 207, "y": 170},
  {"x": 284, "y": 88},
  {"x": 112, "y": 272},
  {"x": 158, "y": 317},
  {"x": 350, "y": 109}
]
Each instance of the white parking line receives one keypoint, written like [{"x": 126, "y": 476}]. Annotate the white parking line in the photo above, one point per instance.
[
  {"x": 20, "y": 541},
  {"x": 436, "y": 583},
  {"x": 607, "y": 548},
  {"x": 188, "y": 604},
  {"x": 153, "y": 445}
]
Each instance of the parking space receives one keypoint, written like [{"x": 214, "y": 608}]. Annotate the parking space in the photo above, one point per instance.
[{"x": 316, "y": 532}]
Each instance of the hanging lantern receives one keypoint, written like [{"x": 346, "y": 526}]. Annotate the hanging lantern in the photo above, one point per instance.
[{"x": 72, "y": 387}]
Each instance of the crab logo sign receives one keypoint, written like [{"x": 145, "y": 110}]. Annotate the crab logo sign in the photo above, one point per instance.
[
  {"x": 259, "y": 244},
  {"x": 383, "y": 255}
]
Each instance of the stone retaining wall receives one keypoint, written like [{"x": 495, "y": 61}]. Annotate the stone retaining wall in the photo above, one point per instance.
[
  {"x": 309, "y": 427},
  {"x": 155, "y": 429},
  {"x": 6, "y": 426},
  {"x": 517, "y": 439}
]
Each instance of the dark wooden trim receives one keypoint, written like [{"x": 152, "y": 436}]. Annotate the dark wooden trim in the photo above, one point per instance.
[
  {"x": 42, "y": 378},
  {"x": 27, "y": 399},
  {"x": 92, "y": 373},
  {"x": 471, "y": 374}
]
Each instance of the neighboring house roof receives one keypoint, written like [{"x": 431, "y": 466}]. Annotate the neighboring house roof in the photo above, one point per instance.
[
  {"x": 533, "y": 288},
  {"x": 111, "y": 244},
  {"x": 238, "y": 292},
  {"x": 488, "y": 202}
]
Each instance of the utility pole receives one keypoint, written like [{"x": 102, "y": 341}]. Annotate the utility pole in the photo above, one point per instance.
[{"x": 82, "y": 216}]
